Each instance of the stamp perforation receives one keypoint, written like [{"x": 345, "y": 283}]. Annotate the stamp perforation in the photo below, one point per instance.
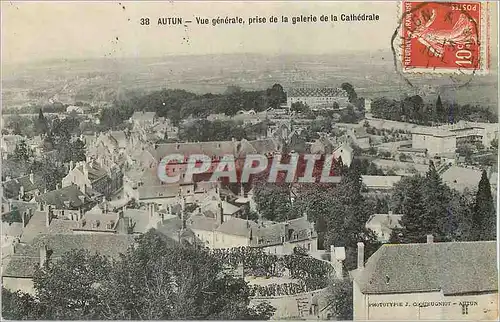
[{"x": 483, "y": 43}]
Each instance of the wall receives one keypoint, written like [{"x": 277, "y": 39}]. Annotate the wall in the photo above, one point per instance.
[
  {"x": 436, "y": 306},
  {"x": 77, "y": 178},
  {"x": 21, "y": 284},
  {"x": 228, "y": 241},
  {"x": 317, "y": 101},
  {"x": 206, "y": 236},
  {"x": 345, "y": 154},
  {"x": 433, "y": 144},
  {"x": 289, "y": 306}
]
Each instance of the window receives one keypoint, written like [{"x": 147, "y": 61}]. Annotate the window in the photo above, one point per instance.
[
  {"x": 308, "y": 246},
  {"x": 465, "y": 309}
]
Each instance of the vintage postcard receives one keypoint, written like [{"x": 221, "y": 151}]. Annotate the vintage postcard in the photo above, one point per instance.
[{"x": 249, "y": 160}]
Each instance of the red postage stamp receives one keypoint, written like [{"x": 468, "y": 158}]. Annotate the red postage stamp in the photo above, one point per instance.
[{"x": 444, "y": 37}]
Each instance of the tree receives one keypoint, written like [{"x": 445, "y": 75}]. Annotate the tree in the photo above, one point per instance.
[
  {"x": 340, "y": 295},
  {"x": 299, "y": 107},
  {"x": 276, "y": 96},
  {"x": 22, "y": 152},
  {"x": 494, "y": 144},
  {"x": 350, "y": 91},
  {"x": 77, "y": 151},
  {"x": 158, "y": 279},
  {"x": 19, "y": 306},
  {"x": 407, "y": 199},
  {"x": 41, "y": 126},
  {"x": 484, "y": 216},
  {"x": 439, "y": 110},
  {"x": 70, "y": 288},
  {"x": 273, "y": 201}
]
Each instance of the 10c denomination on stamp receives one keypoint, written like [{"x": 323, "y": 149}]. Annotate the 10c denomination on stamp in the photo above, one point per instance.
[{"x": 444, "y": 37}]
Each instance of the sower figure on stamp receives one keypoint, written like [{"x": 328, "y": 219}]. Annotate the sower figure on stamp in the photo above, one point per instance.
[{"x": 435, "y": 40}]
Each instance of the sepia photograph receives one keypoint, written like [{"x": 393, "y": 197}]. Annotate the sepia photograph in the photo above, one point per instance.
[{"x": 249, "y": 160}]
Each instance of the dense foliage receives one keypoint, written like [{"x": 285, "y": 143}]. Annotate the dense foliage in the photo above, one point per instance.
[
  {"x": 339, "y": 211},
  {"x": 156, "y": 280},
  {"x": 414, "y": 109},
  {"x": 431, "y": 207},
  {"x": 179, "y": 104}
]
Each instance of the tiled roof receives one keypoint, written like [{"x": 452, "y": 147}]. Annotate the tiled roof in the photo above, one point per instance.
[
  {"x": 90, "y": 220},
  {"x": 143, "y": 116},
  {"x": 460, "y": 178},
  {"x": 454, "y": 268},
  {"x": 11, "y": 187},
  {"x": 219, "y": 148},
  {"x": 272, "y": 234},
  {"x": 173, "y": 226},
  {"x": 37, "y": 225},
  {"x": 158, "y": 191},
  {"x": 433, "y": 131},
  {"x": 202, "y": 223},
  {"x": 360, "y": 132},
  {"x": 25, "y": 259},
  {"x": 237, "y": 227},
  {"x": 58, "y": 197},
  {"x": 14, "y": 229},
  {"x": 316, "y": 92},
  {"x": 389, "y": 221},
  {"x": 343, "y": 147},
  {"x": 94, "y": 170},
  {"x": 120, "y": 138},
  {"x": 265, "y": 146},
  {"x": 213, "y": 205},
  {"x": 23, "y": 206},
  {"x": 383, "y": 182},
  {"x": 140, "y": 219}
]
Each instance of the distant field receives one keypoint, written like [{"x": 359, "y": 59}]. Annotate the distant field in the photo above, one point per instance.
[{"x": 372, "y": 74}]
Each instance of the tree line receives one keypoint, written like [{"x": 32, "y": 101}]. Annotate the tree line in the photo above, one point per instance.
[
  {"x": 178, "y": 104},
  {"x": 413, "y": 109}
]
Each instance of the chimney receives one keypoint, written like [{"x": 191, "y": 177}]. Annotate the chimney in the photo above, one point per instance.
[
  {"x": 337, "y": 257},
  {"x": 32, "y": 177},
  {"x": 43, "y": 256},
  {"x": 221, "y": 213},
  {"x": 390, "y": 212},
  {"x": 48, "y": 216},
  {"x": 85, "y": 171},
  {"x": 71, "y": 165},
  {"x": 430, "y": 239},
  {"x": 82, "y": 199},
  {"x": 21, "y": 192},
  {"x": 361, "y": 255}
]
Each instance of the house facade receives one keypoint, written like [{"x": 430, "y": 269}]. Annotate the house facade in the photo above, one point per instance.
[
  {"x": 317, "y": 97},
  {"x": 431, "y": 281}
]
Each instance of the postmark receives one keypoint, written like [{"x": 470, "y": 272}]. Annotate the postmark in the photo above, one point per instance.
[{"x": 444, "y": 37}]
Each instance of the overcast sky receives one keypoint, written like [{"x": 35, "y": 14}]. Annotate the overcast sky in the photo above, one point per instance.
[
  {"x": 55, "y": 30},
  {"x": 38, "y": 31}
]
